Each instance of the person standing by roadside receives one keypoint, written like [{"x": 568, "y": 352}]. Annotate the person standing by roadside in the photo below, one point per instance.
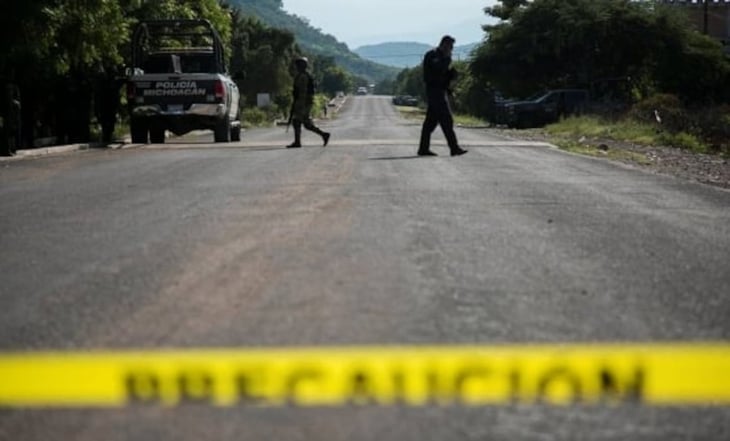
[
  {"x": 107, "y": 101},
  {"x": 11, "y": 119},
  {"x": 437, "y": 74},
  {"x": 303, "y": 100}
]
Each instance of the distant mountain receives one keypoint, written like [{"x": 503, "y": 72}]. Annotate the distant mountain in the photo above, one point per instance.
[
  {"x": 406, "y": 54},
  {"x": 314, "y": 40},
  {"x": 399, "y": 54}
]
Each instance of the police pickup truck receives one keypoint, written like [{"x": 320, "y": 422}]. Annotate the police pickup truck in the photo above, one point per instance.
[{"x": 178, "y": 82}]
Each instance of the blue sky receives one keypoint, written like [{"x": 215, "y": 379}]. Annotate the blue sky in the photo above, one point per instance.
[{"x": 360, "y": 22}]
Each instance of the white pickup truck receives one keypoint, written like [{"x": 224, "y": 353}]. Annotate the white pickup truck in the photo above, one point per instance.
[{"x": 178, "y": 82}]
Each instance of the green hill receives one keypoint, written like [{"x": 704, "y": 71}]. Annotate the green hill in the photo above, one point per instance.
[
  {"x": 400, "y": 54},
  {"x": 406, "y": 54},
  {"x": 271, "y": 13}
]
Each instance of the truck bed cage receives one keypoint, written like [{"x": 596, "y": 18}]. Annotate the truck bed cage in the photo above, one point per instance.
[{"x": 149, "y": 32}]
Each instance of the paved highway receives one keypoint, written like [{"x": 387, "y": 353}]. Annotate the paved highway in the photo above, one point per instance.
[{"x": 196, "y": 244}]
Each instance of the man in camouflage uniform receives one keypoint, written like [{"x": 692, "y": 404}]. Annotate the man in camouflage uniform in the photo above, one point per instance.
[
  {"x": 303, "y": 95},
  {"x": 438, "y": 75}
]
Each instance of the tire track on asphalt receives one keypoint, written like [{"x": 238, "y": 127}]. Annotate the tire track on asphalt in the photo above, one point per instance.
[{"x": 230, "y": 268}]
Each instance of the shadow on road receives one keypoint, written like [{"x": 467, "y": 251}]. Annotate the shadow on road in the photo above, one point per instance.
[
  {"x": 208, "y": 146},
  {"x": 394, "y": 158}
]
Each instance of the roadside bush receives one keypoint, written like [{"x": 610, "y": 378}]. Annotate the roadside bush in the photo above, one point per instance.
[
  {"x": 320, "y": 103},
  {"x": 701, "y": 130},
  {"x": 683, "y": 140},
  {"x": 598, "y": 127},
  {"x": 714, "y": 125},
  {"x": 582, "y": 125},
  {"x": 256, "y": 116},
  {"x": 672, "y": 113}
]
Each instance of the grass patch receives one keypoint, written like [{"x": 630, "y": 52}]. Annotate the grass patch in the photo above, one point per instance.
[
  {"x": 121, "y": 129},
  {"x": 469, "y": 121},
  {"x": 574, "y": 146},
  {"x": 579, "y": 126},
  {"x": 628, "y": 155},
  {"x": 255, "y": 117},
  {"x": 410, "y": 112},
  {"x": 627, "y": 130},
  {"x": 595, "y": 127},
  {"x": 684, "y": 140}
]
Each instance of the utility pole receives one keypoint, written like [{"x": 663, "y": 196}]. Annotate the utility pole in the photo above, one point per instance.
[{"x": 706, "y": 27}]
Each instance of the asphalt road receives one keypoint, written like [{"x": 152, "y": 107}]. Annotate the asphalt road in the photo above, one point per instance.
[{"x": 195, "y": 244}]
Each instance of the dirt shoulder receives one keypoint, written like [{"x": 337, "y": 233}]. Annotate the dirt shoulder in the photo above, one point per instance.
[{"x": 707, "y": 169}]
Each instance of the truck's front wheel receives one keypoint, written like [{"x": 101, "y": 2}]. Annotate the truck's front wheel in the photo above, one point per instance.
[
  {"x": 222, "y": 131},
  {"x": 138, "y": 130}
]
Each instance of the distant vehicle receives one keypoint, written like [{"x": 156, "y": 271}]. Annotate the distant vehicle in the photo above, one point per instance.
[
  {"x": 362, "y": 90},
  {"x": 544, "y": 108},
  {"x": 178, "y": 82},
  {"x": 405, "y": 100}
]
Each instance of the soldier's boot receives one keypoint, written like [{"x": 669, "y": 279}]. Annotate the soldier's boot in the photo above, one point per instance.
[
  {"x": 325, "y": 135},
  {"x": 423, "y": 146},
  {"x": 297, "y": 137}
]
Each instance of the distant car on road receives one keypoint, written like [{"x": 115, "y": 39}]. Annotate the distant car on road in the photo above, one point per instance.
[
  {"x": 544, "y": 108},
  {"x": 405, "y": 100},
  {"x": 362, "y": 90}
]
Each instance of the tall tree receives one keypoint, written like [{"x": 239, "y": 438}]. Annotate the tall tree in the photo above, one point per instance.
[
  {"x": 588, "y": 43},
  {"x": 261, "y": 60},
  {"x": 86, "y": 34},
  {"x": 506, "y": 9},
  {"x": 410, "y": 82},
  {"x": 335, "y": 79}
]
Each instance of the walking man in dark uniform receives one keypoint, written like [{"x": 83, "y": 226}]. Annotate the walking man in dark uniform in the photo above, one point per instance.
[
  {"x": 303, "y": 95},
  {"x": 438, "y": 75}
]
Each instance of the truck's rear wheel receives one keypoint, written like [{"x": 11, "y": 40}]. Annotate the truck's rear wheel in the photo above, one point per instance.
[
  {"x": 157, "y": 135},
  {"x": 236, "y": 133},
  {"x": 138, "y": 130},
  {"x": 222, "y": 132}
]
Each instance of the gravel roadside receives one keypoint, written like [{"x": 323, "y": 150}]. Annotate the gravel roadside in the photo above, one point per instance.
[{"x": 707, "y": 169}]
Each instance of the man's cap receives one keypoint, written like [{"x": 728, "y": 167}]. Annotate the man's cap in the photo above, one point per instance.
[{"x": 301, "y": 60}]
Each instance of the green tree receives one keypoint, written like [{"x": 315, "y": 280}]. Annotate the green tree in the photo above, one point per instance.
[
  {"x": 688, "y": 63},
  {"x": 24, "y": 38},
  {"x": 588, "y": 43},
  {"x": 506, "y": 9},
  {"x": 220, "y": 16},
  {"x": 86, "y": 34},
  {"x": 335, "y": 79},
  {"x": 24, "y": 46},
  {"x": 51, "y": 51},
  {"x": 385, "y": 87},
  {"x": 261, "y": 60},
  {"x": 410, "y": 82}
]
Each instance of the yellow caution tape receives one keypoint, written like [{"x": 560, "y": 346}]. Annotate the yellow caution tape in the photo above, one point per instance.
[{"x": 653, "y": 374}]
